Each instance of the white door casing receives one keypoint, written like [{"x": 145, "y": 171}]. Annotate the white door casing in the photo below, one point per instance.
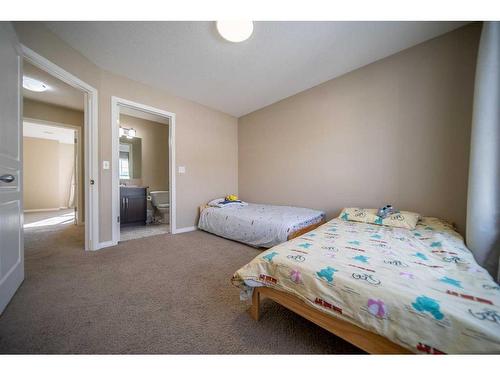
[
  {"x": 11, "y": 203},
  {"x": 90, "y": 182},
  {"x": 116, "y": 103}
]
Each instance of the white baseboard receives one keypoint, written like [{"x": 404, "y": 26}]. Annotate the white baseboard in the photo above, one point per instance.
[
  {"x": 185, "y": 229},
  {"x": 42, "y": 210},
  {"x": 104, "y": 244}
]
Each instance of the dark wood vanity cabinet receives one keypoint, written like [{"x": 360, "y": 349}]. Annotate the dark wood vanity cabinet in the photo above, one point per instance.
[{"x": 133, "y": 205}]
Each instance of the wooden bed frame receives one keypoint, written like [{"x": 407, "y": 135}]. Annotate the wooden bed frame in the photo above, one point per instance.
[
  {"x": 292, "y": 235},
  {"x": 304, "y": 230},
  {"x": 363, "y": 339}
]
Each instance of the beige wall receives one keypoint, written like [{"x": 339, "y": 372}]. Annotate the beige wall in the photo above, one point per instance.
[
  {"x": 154, "y": 151},
  {"x": 396, "y": 131},
  {"x": 206, "y": 139},
  {"x": 66, "y": 169},
  {"x": 34, "y": 109},
  {"x": 50, "y": 112},
  {"x": 47, "y": 170}
]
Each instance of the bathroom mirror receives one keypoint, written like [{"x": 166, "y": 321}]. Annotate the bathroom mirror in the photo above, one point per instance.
[{"x": 130, "y": 158}]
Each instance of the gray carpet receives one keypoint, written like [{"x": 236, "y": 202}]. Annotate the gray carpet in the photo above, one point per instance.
[{"x": 162, "y": 294}]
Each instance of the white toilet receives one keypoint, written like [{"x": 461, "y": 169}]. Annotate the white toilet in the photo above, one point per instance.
[{"x": 161, "y": 203}]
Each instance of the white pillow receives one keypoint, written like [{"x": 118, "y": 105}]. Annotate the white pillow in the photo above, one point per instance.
[
  {"x": 215, "y": 202},
  {"x": 221, "y": 202}
]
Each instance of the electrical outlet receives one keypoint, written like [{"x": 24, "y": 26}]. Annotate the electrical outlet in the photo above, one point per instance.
[{"x": 182, "y": 170}]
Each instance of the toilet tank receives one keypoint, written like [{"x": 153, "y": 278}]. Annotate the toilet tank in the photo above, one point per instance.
[{"x": 159, "y": 197}]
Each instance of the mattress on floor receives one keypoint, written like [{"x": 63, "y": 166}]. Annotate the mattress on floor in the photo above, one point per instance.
[
  {"x": 421, "y": 288},
  {"x": 257, "y": 225}
]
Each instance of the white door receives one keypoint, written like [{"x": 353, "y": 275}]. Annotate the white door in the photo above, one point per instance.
[{"x": 11, "y": 210}]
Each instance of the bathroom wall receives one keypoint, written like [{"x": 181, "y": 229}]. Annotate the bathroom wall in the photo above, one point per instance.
[{"x": 154, "y": 148}]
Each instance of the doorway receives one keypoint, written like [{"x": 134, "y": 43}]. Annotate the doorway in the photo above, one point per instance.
[
  {"x": 53, "y": 86},
  {"x": 52, "y": 168},
  {"x": 143, "y": 164}
]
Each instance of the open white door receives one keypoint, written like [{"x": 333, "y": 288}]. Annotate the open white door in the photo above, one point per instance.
[{"x": 11, "y": 210}]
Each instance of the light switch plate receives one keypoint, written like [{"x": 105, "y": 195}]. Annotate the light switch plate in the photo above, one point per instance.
[
  {"x": 182, "y": 169},
  {"x": 105, "y": 164}
]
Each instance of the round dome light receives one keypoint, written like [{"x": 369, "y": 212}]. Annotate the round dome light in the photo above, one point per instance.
[
  {"x": 235, "y": 31},
  {"x": 33, "y": 84}
]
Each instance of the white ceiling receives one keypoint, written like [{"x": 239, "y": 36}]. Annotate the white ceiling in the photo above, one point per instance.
[
  {"x": 55, "y": 133},
  {"x": 191, "y": 60},
  {"x": 58, "y": 93}
]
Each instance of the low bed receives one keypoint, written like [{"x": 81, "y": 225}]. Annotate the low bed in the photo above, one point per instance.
[
  {"x": 259, "y": 225},
  {"x": 384, "y": 289}
]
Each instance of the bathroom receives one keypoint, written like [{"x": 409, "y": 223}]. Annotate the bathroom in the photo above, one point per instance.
[{"x": 144, "y": 174}]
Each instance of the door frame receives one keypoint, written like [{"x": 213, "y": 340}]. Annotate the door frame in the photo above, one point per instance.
[
  {"x": 116, "y": 102},
  {"x": 91, "y": 162},
  {"x": 78, "y": 150}
]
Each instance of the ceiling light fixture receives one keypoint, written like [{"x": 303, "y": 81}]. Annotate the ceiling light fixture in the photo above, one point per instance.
[
  {"x": 33, "y": 84},
  {"x": 235, "y": 31},
  {"x": 129, "y": 133}
]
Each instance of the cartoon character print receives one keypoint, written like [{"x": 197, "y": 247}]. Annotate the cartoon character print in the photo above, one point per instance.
[
  {"x": 430, "y": 305},
  {"x": 449, "y": 280},
  {"x": 488, "y": 315},
  {"x": 377, "y": 308},
  {"x": 269, "y": 257},
  {"x": 361, "y": 258},
  {"x": 491, "y": 287},
  {"x": 421, "y": 256},
  {"x": 332, "y": 249},
  {"x": 297, "y": 258},
  {"x": 424, "y": 348},
  {"x": 395, "y": 262},
  {"x": 327, "y": 274},
  {"x": 296, "y": 276},
  {"x": 359, "y": 213},
  {"x": 370, "y": 279},
  {"x": 454, "y": 259}
]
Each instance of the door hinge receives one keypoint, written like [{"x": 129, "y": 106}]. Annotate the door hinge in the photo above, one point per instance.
[{"x": 118, "y": 219}]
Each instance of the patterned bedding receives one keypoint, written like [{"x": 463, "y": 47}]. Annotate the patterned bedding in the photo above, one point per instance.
[
  {"x": 421, "y": 288},
  {"x": 258, "y": 225}
]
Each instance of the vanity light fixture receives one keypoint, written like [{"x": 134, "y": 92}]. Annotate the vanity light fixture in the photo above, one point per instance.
[
  {"x": 33, "y": 84},
  {"x": 235, "y": 31},
  {"x": 129, "y": 133}
]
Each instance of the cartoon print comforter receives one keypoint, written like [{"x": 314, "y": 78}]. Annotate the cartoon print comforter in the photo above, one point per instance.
[{"x": 421, "y": 288}]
